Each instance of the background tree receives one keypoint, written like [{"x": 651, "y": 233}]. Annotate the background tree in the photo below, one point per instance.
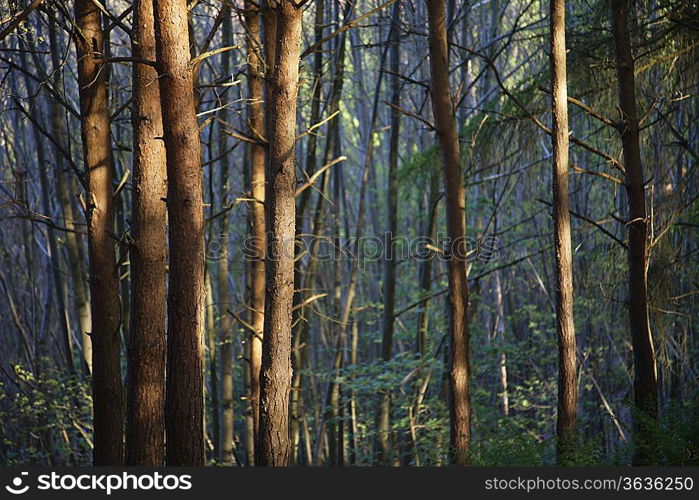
[
  {"x": 645, "y": 372},
  {"x": 498, "y": 65}
]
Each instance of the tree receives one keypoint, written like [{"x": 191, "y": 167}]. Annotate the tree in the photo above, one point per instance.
[
  {"x": 224, "y": 296},
  {"x": 145, "y": 426},
  {"x": 256, "y": 123},
  {"x": 384, "y": 418},
  {"x": 99, "y": 212},
  {"x": 184, "y": 399},
  {"x": 445, "y": 126},
  {"x": 565, "y": 327},
  {"x": 76, "y": 267},
  {"x": 274, "y": 446},
  {"x": 645, "y": 371}
]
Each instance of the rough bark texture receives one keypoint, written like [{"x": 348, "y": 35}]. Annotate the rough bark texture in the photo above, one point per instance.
[
  {"x": 645, "y": 372},
  {"x": 256, "y": 121},
  {"x": 104, "y": 281},
  {"x": 185, "y": 391},
  {"x": 565, "y": 328},
  {"x": 145, "y": 424},
  {"x": 274, "y": 446},
  {"x": 445, "y": 122}
]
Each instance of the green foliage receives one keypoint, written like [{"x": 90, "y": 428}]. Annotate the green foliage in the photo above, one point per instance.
[
  {"x": 674, "y": 438},
  {"x": 508, "y": 442},
  {"x": 679, "y": 433},
  {"x": 420, "y": 166},
  {"x": 46, "y": 419}
]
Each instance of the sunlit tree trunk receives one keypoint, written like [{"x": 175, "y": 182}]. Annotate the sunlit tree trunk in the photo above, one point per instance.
[
  {"x": 274, "y": 446},
  {"x": 104, "y": 280},
  {"x": 184, "y": 412},
  {"x": 256, "y": 122},
  {"x": 565, "y": 328},
  {"x": 145, "y": 426},
  {"x": 445, "y": 122}
]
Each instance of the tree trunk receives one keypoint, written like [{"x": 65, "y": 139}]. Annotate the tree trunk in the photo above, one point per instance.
[
  {"x": 104, "y": 280},
  {"x": 256, "y": 122},
  {"x": 565, "y": 328},
  {"x": 53, "y": 264},
  {"x": 499, "y": 338},
  {"x": 145, "y": 426},
  {"x": 77, "y": 274},
  {"x": 459, "y": 397},
  {"x": 224, "y": 301},
  {"x": 300, "y": 333},
  {"x": 210, "y": 335},
  {"x": 274, "y": 446},
  {"x": 333, "y": 147},
  {"x": 645, "y": 372},
  {"x": 184, "y": 405},
  {"x": 383, "y": 451}
]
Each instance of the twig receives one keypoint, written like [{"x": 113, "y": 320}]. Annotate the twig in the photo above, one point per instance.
[
  {"x": 589, "y": 221},
  {"x": 313, "y": 178}
]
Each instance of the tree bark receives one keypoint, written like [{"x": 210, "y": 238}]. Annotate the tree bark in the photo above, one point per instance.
[
  {"x": 565, "y": 327},
  {"x": 445, "y": 123},
  {"x": 145, "y": 426},
  {"x": 256, "y": 123},
  {"x": 184, "y": 402},
  {"x": 645, "y": 371},
  {"x": 274, "y": 446},
  {"x": 104, "y": 280}
]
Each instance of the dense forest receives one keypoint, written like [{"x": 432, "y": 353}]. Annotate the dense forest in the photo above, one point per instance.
[{"x": 349, "y": 232}]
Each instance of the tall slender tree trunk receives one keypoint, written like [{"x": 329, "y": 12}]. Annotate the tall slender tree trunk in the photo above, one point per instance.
[
  {"x": 184, "y": 400},
  {"x": 383, "y": 445},
  {"x": 425, "y": 273},
  {"x": 256, "y": 123},
  {"x": 499, "y": 337},
  {"x": 274, "y": 446},
  {"x": 53, "y": 267},
  {"x": 224, "y": 301},
  {"x": 345, "y": 300},
  {"x": 145, "y": 424},
  {"x": 58, "y": 125},
  {"x": 210, "y": 335},
  {"x": 445, "y": 122},
  {"x": 645, "y": 371},
  {"x": 333, "y": 147},
  {"x": 300, "y": 333},
  {"x": 104, "y": 280},
  {"x": 565, "y": 328}
]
